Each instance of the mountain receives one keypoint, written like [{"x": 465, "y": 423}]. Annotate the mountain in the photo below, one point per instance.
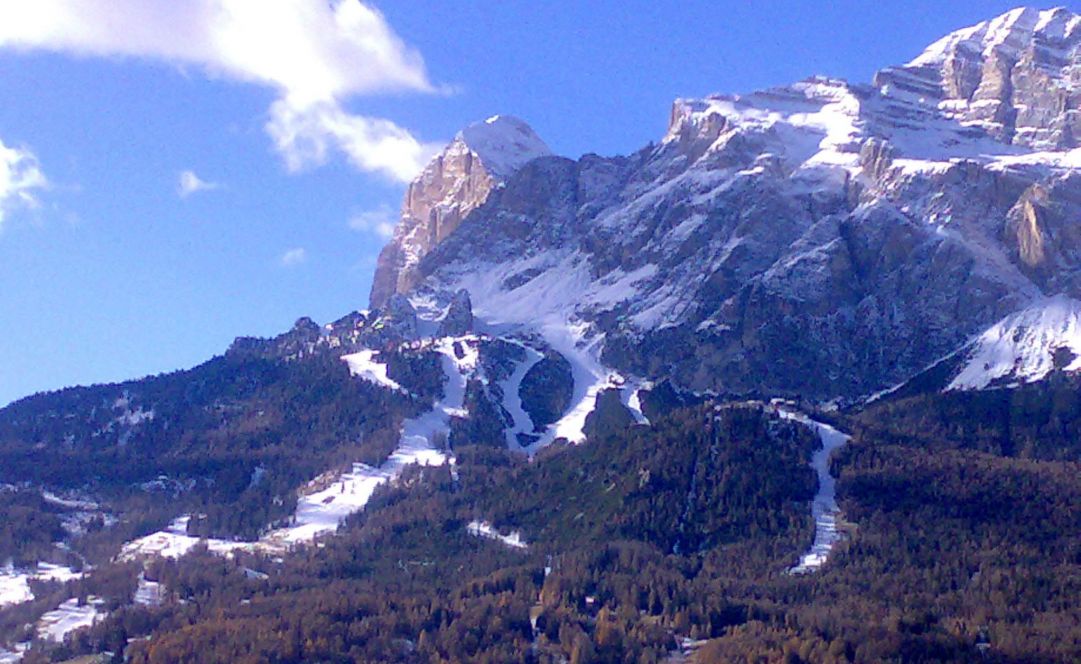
[
  {"x": 459, "y": 179},
  {"x": 824, "y": 239},
  {"x": 798, "y": 382}
]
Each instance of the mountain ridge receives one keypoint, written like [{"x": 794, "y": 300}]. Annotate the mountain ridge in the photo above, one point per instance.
[{"x": 899, "y": 182}]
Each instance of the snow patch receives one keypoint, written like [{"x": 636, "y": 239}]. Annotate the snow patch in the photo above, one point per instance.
[
  {"x": 631, "y": 394},
  {"x": 485, "y": 529},
  {"x": 149, "y": 593},
  {"x": 522, "y": 423},
  {"x": 14, "y": 588},
  {"x": 15, "y": 584},
  {"x": 363, "y": 365}
]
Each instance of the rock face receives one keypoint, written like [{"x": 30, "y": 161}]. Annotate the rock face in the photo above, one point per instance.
[
  {"x": 1015, "y": 76},
  {"x": 824, "y": 239},
  {"x": 459, "y": 317},
  {"x": 455, "y": 182}
]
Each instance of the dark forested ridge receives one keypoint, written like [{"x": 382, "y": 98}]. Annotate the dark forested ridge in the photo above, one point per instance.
[{"x": 962, "y": 513}]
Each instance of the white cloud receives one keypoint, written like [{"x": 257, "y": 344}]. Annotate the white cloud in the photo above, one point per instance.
[
  {"x": 304, "y": 136},
  {"x": 20, "y": 179},
  {"x": 294, "y": 256},
  {"x": 314, "y": 53},
  {"x": 189, "y": 183},
  {"x": 379, "y": 222}
]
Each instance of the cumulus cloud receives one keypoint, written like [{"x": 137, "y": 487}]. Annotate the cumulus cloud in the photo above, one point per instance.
[
  {"x": 189, "y": 183},
  {"x": 294, "y": 257},
  {"x": 314, "y": 53},
  {"x": 379, "y": 222},
  {"x": 20, "y": 180}
]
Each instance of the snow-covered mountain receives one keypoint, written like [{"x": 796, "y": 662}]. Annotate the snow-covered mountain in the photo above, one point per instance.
[{"x": 825, "y": 239}]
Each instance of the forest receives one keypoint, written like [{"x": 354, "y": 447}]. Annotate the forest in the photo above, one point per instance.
[{"x": 961, "y": 518}]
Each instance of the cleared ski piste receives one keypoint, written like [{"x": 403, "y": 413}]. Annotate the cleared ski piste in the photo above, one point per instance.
[
  {"x": 320, "y": 511},
  {"x": 330, "y": 500},
  {"x": 512, "y": 398},
  {"x": 824, "y": 507}
]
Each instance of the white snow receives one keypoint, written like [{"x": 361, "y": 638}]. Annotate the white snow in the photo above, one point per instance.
[
  {"x": 14, "y": 655},
  {"x": 811, "y": 124},
  {"x": 824, "y": 508},
  {"x": 68, "y": 617},
  {"x": 51, "y": 572},
  {"x": 174, "y": 542},
  {"x": 512, "y": 399},
  {"x": 546, "y": 305},
  {"x": 504, "y": 144},
  {"x": 485, "y": 529},
  {"x": 15, "y": 586},
  {"x": 1021, "y": 347},
  {"x": 364, "y": 366},
  {"x": 630, "y": 395}
]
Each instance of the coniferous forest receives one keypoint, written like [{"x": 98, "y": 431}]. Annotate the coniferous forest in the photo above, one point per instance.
[{"x": 961, "y": 513}]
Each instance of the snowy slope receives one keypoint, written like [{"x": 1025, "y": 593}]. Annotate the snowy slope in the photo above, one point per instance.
[
  {"x": 1021, "y": 348},
  {"x": 14, "y": 583},
  {"x": 363, "y": 365}
]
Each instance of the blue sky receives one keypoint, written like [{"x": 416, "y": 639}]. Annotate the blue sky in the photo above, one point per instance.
[{"x": 109, "y": 270}]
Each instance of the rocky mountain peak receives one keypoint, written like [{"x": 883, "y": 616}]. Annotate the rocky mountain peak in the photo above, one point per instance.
[
  {"x": 455, "y": 182},
  {"x": 1017, "y": 76}
]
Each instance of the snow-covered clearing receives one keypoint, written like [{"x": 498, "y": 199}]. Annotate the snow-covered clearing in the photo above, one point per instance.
[
  {"x": 15, "y": 586},
  {"x": 824, "y": 507},
  {"x": 68, "y": 617},
  {"x": 485, "y": 529}
]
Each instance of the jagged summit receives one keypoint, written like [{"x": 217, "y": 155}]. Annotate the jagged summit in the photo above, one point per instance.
[
  {"x": 456, "y": 181},
  {"x": 1016, "y": 76},
  {"x": 1008, "y": 34}
]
